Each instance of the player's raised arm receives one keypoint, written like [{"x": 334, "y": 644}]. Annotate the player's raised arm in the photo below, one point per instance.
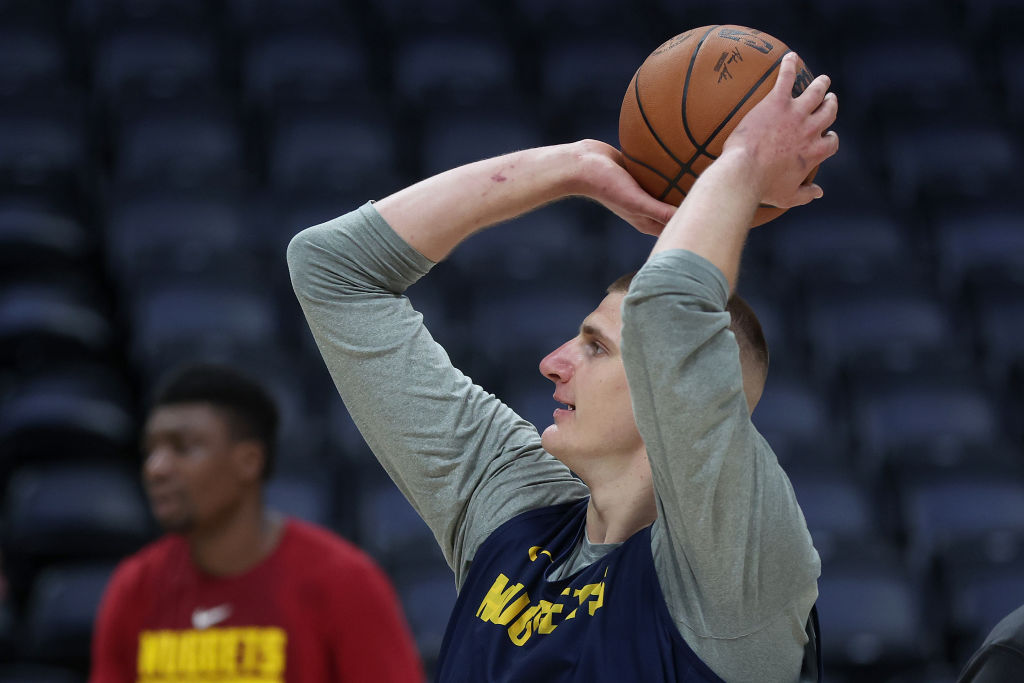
[
  {"x": 731, "y": 545},
  {"x": 434, "y": 215}
]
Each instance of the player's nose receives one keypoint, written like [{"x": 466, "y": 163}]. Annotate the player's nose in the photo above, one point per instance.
[
  {"x": 557, "y": 365},
  {"x": 157, "y": 465}
]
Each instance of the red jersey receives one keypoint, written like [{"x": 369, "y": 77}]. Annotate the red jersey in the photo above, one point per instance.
[{"x": 316, "y": 609}]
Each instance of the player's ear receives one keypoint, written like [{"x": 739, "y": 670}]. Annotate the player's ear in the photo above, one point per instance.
[{"x": 249, "y": 456}]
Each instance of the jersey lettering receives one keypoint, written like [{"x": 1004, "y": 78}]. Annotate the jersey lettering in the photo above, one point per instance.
[
  {"x": 524, "y": 618},
  {"x": 225, "y": 655}
]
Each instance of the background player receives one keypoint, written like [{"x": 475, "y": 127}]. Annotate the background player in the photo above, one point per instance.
[{"x": 235, "y": 591}]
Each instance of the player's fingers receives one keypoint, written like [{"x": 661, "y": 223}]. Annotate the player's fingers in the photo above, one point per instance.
[
  {"x": 825, "y": 115},
  {"x": 827, "y": 146},
  {"x": 649, "y": 207},
  {"x": 646, "y": 225},
  {"x": 813, "y": 96},
  {"x": 787, "y": 75},
  {"x": 805, "y": 194},
  {"x": 663, "y": 212},
  {"x": 648, "y": 215}
]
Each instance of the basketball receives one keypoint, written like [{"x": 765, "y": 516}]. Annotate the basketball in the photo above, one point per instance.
[{"x": 686, "y": 98}]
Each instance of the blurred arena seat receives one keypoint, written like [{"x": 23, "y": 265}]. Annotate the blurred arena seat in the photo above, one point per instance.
[
  {"x": 873, "y": 614},
  {"x": 840, "y": 511},
  {"x": 333, "y": 149},
  {"x": 194, "y": 318},
  {"x": 977, "y": 241},
  {"x": 253, "y": 17},
  {"x": 35, "y": 237},
  {"x": 155, "y": 63},
  {"x": 917, "y": 158},
  {"x": 162, "y": 235},
  {"x": 46, "y": 321},
  {"x": 428, "y": 596},
  {"x": 875, "y": 327},
  {"x": 836, "y": 243},
  {"x": 393, "y": 533},
  {"x": 583, "y": 71},
  {"x": 539, "y": 242},
  {"x": 794, "y": 417},
  {"x": 1001, "y": 336},
  {"x": 454, "y": 136},
  {"x": 72, "y": 413},
  {"x": 61, "y": 612},
  {"x": 904, "y": 75},
  {"x": 42, "y": 147},
  {"x": 308, "y": 498},
  {"x": 191, "y": 145},
  {"x": 455, "y": 70},
  {"x": 957, "y": 506},
  {"x": 983, "y": 578},
  {"x": 31, "y": 59},
  {"x": 98, "y": 17},
  {"x": 302, "y": 65},
  {"x": 38, "y": 673},
  {"x": 84, "y": 511},
  {"x": 921, "y": 420},
  {"x": 402, "y": 20}
]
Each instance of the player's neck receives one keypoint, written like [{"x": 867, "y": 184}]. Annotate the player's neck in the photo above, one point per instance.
[
  {"x": 622, "y": 503},
  {"x": 237, "y": 543}
]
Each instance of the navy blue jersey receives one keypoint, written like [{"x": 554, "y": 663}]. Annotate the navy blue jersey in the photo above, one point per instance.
[{"x": 607, "y": 622}]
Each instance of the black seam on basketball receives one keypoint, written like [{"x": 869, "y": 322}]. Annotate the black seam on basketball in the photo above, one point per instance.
[
  {"x": 685, "y": 168},
  {"x": 701, "y": 149},
  {"x": 743, "y": 101},
  {"x": 643, "y": 115},
  {"x": 686, "y": 85},
  {"x": 654, "y": 134},
  {"x": 647, "y": 166}
]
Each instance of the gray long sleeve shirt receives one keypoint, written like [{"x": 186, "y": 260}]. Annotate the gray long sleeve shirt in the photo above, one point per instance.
[{"x": 731, "y": 547}]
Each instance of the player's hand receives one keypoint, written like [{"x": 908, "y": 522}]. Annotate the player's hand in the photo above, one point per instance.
[
  {"x": 603, "y": 177},
  {"x": 786, "y": 137}
]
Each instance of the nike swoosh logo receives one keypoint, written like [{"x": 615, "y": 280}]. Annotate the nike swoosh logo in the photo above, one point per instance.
[{"x": 205, "y": 618}]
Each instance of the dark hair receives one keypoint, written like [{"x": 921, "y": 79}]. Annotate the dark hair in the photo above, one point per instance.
[
  {"x": 250, "y": 410},
  {"x": 744, "y": 324},
  {"x": 747, "y": 329}
]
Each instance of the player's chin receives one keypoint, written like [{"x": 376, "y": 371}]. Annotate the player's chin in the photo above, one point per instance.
[
  {"x": 174, "y": 521},
  {"x": 550, "y": 439}
]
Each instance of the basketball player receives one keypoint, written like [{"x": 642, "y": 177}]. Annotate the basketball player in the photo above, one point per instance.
[
  {"x": 235, "y": 592},
  {"x": 682, "y": 555}
]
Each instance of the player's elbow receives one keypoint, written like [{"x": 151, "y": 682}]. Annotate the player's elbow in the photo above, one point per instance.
[{"x": 301, "y": 257}]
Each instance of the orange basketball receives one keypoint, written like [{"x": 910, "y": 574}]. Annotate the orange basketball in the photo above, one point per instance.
[{"x": 687, "y": 97}]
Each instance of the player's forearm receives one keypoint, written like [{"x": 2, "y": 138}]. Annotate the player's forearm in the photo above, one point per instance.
[
  {"x": 714, "y": 220},
  {"x": 434, "y": 215}
]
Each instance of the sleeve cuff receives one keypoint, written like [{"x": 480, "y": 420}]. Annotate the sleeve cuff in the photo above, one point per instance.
[{"x": 408, "y": 264}]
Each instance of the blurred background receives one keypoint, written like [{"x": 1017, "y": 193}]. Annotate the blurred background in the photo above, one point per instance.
[{"x": 157, "y": 155}]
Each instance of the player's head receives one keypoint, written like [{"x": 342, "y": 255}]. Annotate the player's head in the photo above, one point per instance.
[
  {"x": 590, "y": 378},
  {"x": 208, "y": 444}
]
